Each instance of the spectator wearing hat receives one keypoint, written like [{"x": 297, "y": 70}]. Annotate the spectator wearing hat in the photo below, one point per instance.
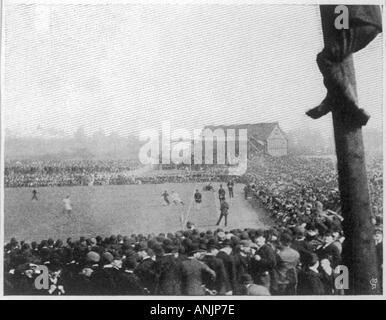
[
  {"x": 225, "y": 254},
  {"x": 329, "y": 250},
  {"x": 79, "y": 281},
  {"x": 192, "y": 273},
  {"x": 168, "y": 270},
  {"x": 288, "y": 261},
  {"x": 93, "y": 258},
  {"x": 130, "y": 283},
  {"x": 105, "y": 280},
  {"x": 34, "y": 250},
  {"x": 145, "y": 270},
  {"x": 50, "y": 244},
  {"x": 309, "y": 281},
  {"x": 241, "y": 262},
  {"x": 263, "y": 262},
  {"x": 220, "y": 283}
]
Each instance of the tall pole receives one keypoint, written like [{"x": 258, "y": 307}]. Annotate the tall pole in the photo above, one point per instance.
[{"x": 359, "y": 254}]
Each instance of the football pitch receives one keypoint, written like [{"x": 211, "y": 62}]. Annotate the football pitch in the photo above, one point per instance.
[{"x": 118, "y": 209}]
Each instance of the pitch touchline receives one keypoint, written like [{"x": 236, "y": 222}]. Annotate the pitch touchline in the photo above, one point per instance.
[{"x": 190, "y": 206}]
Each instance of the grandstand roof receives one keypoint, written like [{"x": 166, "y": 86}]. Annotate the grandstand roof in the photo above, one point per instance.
[{"x": 260, "y": 130}]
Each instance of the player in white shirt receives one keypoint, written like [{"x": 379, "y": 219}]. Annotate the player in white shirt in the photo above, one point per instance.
[
  {"x": 176, "y": 198},
  {"x": 67, "y": 205}
]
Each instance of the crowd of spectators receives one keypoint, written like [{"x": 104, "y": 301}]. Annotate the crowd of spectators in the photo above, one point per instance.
[
  {"x": 375, "y": 178},
  {"x": 239, "y": 262},
  {"x": 35, "y": 173},
  {"x": 290, "y": 187},
  {"x": 298, "y": 255},
  {"x": 98, "y": 172}
]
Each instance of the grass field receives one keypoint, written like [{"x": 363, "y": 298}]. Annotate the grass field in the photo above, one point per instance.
[{"x": 106, "y": 210}]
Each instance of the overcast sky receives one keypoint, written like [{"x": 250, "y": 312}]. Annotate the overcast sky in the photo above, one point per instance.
[{"x": 129, "y": 67}]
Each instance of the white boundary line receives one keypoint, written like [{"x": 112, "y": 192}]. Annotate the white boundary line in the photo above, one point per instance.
[{"x": 190, "y": 206}]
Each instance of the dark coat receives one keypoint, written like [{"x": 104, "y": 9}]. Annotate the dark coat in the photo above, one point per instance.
[
  {"x": 147, "y": 274},
  {"x": 18, "y": 284},
  {"x": 198, "y": 197},
  {"x": 221, "y": 282},
  {"x": 80, "y": 285},
  {"x": 130, "y": 284},
  {"x": 328, "y": 282},
  {"x": 105, "y": 281},
  {"x": 242, "y": 267},
  {"x": 266, "y": 264},
  {"x": 241, "y": 263},
  {"x": 74, "y": 282},
  {"x": 192, "y": 279},
  {"x": 230, "y": 269},
  {"x": 310, "y": 283},
  {"x": 169, "y": 275}
]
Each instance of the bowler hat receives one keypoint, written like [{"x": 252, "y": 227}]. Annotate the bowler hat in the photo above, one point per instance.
[
  {"x": 93, "y": 256},
  {"x": 107, "y": 256}
]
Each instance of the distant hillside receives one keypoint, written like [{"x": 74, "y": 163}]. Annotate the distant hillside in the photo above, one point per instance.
[
  {"x": 114, "y": 146},
  {"x": 98, "y": 146}
]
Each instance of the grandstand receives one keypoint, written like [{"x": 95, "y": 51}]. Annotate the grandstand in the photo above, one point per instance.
[{"x": 263, "y": 138}]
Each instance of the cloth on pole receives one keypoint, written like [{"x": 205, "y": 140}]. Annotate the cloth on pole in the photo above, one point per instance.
[{"x": 364, "y": 24}]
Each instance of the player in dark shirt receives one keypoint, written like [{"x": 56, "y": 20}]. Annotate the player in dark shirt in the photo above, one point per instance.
[
  {"x": 197, "y": 199},
  {"x": 34, "y": 195},
  {"x": 221, "y": 193},
  {"x": 165, "y": 196},
  {"x": 224, "y": 210},
  {"x": 230, "y": 185}
]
